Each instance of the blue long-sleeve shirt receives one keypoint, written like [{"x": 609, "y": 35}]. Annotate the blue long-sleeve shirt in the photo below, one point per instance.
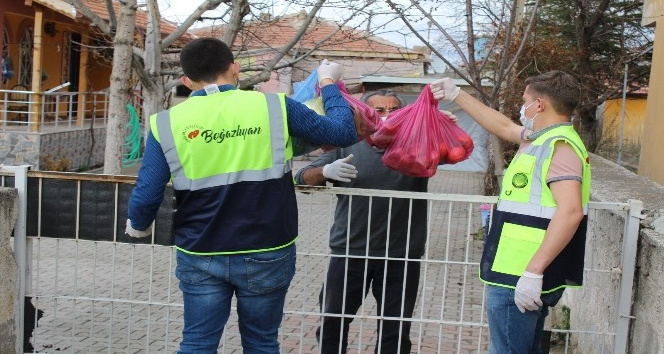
[{"x": 337, "y": 128}]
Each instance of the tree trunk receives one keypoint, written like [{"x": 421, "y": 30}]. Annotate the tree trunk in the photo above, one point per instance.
[
  {"x": 588, "y": 125},
  {"x": 120, "y": 88},
  {"x": 151, "y": 78},
  {"x": 153, "y": 99}
]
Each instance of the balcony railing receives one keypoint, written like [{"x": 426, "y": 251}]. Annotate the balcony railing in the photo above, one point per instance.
[{"x": 40, "y": 111}]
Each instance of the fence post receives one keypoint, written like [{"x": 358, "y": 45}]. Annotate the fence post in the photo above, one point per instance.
[
  {"x": 20, "y": 245},
  {"x": 9, "y": 320},
  {"x": 624, "y": 301}
]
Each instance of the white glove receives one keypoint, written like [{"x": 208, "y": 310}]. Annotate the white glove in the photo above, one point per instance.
[
  {"x": 136, "y": 233},
  {"x": 340, "y": 170},
  {"x": 527, "y": 292},
  {"x": 444, "y": 89},
  {"x": 451, "y": 115},
  {"x": 329, "y": 70}
]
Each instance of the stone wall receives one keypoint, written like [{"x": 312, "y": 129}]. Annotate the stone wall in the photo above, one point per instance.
[
  {"x": 82, "y": 148},
  {"x": 19, "y": 148},
  {"x": 69, "y": 150},
  {"x": 593, "y": 304},
  {"x": 8, "y": 280}
]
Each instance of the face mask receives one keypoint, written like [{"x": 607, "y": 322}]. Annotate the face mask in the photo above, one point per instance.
[
  {"x": 383, "y": 118},
  {"x": 525, "y": 121}
]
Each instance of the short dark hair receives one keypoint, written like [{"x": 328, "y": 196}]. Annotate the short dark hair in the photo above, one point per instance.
[
  {"x": 559, "y": 87},
  {"x": 204, "y": 59},
  {"x": 383, "y": 92}
]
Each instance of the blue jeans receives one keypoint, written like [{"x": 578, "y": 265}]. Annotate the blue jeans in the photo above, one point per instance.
[
  {"x": 513, "y": 332},
  {"x": 259, "y": 282}
]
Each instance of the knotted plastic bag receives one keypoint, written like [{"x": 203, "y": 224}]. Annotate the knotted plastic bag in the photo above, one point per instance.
[
  {"x": 367, "y": 120},
  {"x": 419, "y": 137},
  {"x": 307, "y": 92}
]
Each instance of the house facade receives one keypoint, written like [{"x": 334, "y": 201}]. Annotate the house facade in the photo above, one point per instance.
[
  {"x": 41, "y": 48},
  {"x": 44, "y": 46},
  {"x": 56, "y": 68}
]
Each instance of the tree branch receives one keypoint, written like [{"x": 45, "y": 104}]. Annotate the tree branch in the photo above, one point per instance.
[
  {"x": 434, "y": 50},
  {"x": 240, "y": 10},
  {"x": 193, "y": 17},
  {"x": 93, "y": 17}
]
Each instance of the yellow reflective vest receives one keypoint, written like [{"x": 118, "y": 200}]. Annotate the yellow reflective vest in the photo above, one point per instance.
[
  {"x": 230, "y": 154},
  {"x": 525, "y": 208}
]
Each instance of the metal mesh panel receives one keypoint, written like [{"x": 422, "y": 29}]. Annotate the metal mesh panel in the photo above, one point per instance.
[{"x": 101, "y": 291}]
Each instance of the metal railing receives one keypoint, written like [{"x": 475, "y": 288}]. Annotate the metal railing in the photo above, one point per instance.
[
  {"x": 102, "y": 291},
  {"x": 24, "y": 110}
]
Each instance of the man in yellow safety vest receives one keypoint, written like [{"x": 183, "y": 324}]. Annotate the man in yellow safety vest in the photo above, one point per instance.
[
  {"x": 228, "y": 153},
  {"x": 536, "y": 242}
]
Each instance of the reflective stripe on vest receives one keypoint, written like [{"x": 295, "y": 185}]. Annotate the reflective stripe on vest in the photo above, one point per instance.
[
  {"x": 279, "y": 167},
  {"x": 525, "y": 209},
  {"x": 534, "y": 206}
]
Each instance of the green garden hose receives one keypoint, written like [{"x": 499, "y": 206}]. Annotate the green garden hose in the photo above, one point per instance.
[{"x": 132, "y": 144}]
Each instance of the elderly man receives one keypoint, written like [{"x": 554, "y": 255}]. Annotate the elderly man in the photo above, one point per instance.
[{"x": 393, "y": 277}]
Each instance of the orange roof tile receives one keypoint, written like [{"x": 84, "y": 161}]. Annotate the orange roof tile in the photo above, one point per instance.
[
  {"x": 99, "y": 8},
  {"x": 343, "y": 41}
]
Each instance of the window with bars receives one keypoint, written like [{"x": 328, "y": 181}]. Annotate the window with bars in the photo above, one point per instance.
[
  {"x": 7, "y": 70},
  {"x": 66, "y": 57},
  {"x": 25, "y": 55}
]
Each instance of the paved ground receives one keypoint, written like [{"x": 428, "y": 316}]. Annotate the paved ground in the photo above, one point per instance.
[{"x": 118, "y": 298}]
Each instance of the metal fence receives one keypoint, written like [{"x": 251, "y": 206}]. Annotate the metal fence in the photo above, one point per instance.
[
  {"x": 102, "y": 292},
  {"x": 21, "y": 109}
]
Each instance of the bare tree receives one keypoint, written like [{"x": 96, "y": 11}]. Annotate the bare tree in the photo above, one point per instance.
[
  {"x": 497, "y": 67},
  {"x": 145, "y": 60},
  {"x": 122, "y": 32}
]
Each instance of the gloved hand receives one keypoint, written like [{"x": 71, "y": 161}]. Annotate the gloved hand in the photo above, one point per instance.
[
  {"x": 136, "y": 233},
  {"x": 451, "y": 115},
  {"x": 340, "y": 170},
  {"x": 329, "y": 70},
  {"x": 444, "y": 89},
  {"x": 527, "y": 292}
]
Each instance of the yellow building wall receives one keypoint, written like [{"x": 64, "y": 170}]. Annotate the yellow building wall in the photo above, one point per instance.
[
  {"x": 635, "y": 116},
  {"x": 99, "y": 69},
  {"x": 651, "y": 161},
  {"x": 97, "y": 73}
]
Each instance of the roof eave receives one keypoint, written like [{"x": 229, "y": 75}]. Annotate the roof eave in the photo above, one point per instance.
[
  {"x": 413, "y": 80},
  {"x": 371, "y": 55},
  {"x": 59, "y": 6}
]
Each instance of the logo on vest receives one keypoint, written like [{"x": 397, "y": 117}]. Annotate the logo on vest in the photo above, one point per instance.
[
  {"x": 191, "y": 132},
  {"x": 210, "y": 136},
  {"x": 520, "y": 180}
]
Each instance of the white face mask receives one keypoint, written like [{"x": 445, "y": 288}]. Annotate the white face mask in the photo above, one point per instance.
[
  {"x": 383, "y": 118},
  {"x": 525, "y": 121}
]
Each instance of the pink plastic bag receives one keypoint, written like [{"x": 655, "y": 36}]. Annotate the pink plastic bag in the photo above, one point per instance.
[
  {"x": 419, "y": 137},
  {"x": 367, "y": 120}
]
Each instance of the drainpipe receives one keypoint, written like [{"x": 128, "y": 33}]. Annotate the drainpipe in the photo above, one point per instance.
[{"x": 622, "y": 118}]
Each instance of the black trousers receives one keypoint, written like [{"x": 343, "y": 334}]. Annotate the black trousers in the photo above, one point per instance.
[{"x": 399, "y": 301}]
